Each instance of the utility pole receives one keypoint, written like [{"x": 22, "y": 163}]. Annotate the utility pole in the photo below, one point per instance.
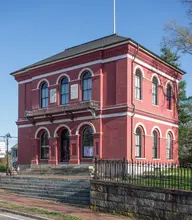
[{"x": 6, "y": 138}]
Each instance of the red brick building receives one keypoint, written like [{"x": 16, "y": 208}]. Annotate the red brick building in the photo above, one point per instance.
[{"x": 110, "y": 98}]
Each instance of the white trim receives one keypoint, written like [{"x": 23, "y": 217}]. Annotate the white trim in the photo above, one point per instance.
[
  {"x": 142, "y": 125},
  {"x": 140, "y": 68},
  {"x": 155, "y": 75},
  {"x": 42, "y": 80},
  {"x": 171, "y": 131},
  {"x": 85, "y": 123},
  {"x": 120, "y": 114},
  {"x": 42, "y": 128},
  {"x": 76, "y": 67},
  {"x": 151, "y": 68},
  {"x": 100, "y": 49},
  {"x": 157, "y": 128},
  {"x": 62, "y": 76},
  {"x": 84, "y": 70},
  {"x": 115, "y": 107},
  {"x": 114, "y": 115},
  {"x": 154, "y": 120},
  {"x": 99, "y": 62},
  {"x": 61, "y": 126},
  {"x": 169, "y": 82}
]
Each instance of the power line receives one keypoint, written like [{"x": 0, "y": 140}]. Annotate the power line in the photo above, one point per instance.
[{"x": 6, "y": 138}]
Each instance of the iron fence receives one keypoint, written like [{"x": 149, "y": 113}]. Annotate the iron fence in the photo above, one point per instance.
[{"x": 153, "y": 174}]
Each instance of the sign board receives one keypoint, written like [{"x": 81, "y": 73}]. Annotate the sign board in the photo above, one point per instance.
[
  {"x": 88, "y": 151},
  {"x": 74, "y": 91},
  {"x": 2, "y": 149},
  {"x": 53, "y": 95}
]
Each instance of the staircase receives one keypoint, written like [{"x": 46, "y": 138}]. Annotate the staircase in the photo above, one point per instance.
[
  {"x": 60, "y": 170},
  {"x": 65, "y": 190}
]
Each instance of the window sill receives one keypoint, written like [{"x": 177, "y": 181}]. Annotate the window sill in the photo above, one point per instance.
[
  {"x": 170, "y": 160},
  {"x": 140, "y": 100},
  {"x": 140, "y": 158},
  {"x": 156, "y": 159},
  {"x": 155, "y": 105},
  {"x": 170, "y": 110}
]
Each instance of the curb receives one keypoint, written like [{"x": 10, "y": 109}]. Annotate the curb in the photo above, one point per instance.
[{"x": 24, "y": 214}]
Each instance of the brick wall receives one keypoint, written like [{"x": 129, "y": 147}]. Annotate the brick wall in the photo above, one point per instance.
[{"x": 142, "y": 202}]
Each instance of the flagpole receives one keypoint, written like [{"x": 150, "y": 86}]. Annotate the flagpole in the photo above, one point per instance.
[{"x": 114, "y": 16}]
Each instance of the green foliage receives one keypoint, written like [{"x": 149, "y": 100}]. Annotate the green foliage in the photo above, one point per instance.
[
  {"x": 184, "y": 104},
  {"x": 169, "y": 56}
]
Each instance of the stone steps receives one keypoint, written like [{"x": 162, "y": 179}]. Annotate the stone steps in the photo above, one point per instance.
[
  {"x": 67, "y": 170},
  {"x": 74, "y": 188},
  {"x": 66, "y": 190}
]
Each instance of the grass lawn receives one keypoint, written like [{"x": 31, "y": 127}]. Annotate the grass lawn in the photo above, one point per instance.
[
  {"x": 175, "y": 178},
  {"x": 37, "y": 211}
]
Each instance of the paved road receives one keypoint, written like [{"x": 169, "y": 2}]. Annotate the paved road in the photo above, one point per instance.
[{"x": 9, "y": 216}]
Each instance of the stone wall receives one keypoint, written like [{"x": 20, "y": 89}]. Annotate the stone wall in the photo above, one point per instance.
[{"x": 141, "y": 202}]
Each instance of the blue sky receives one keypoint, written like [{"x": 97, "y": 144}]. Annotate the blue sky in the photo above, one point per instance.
[{"x": 33, "y": 30}]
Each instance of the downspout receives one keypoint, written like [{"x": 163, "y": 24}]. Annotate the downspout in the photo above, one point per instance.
[{"x": 132, "y": 98}]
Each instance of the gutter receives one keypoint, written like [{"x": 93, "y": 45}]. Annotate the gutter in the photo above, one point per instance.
[{"x": 132, "y": 98}]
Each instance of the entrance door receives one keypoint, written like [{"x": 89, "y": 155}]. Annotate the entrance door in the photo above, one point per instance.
[{"x": 65, "y": 151}]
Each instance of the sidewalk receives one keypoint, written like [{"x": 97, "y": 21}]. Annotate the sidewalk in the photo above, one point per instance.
[{"x": 57, "y": 207}]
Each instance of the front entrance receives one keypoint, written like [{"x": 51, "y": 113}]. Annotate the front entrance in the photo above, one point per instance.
[{"x": 65, "y": 149}]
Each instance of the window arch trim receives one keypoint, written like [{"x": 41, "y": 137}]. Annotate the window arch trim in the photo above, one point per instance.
[
  {"x": 157, "y": 77},
  {"x": 85, "y": 123},
  {"x": 158, "y": 130},
  {"x": 140, "y": 124},
  {"x": 140, "y": 68},
  {"x": 41, "y": 129},
  {"x": 60, "y": 78},
  {"x": 83, "y": 71},
  {"x": 172, "y": 133},
  {"x": 40, "y": 83}
]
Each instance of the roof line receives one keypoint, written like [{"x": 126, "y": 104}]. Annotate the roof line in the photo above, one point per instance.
[
  {"x": 92, "y": 50},
  {"x": 90, "y": 41}
]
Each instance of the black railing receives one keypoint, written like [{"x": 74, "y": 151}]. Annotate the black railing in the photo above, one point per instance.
[{"x": 153, "y": 174}]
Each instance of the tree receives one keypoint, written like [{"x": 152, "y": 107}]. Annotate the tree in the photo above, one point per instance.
[
  {"x": 180, "y": 37},
  {"x": 184, "y": 104},
  {"x": 169, "y": 56}
]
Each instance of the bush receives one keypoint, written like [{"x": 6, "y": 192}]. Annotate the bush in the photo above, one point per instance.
[{"x": 2, "y": 168}]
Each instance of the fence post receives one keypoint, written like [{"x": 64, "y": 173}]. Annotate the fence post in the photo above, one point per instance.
[
  {"x": 191, "y": 178},
  {"x": 96, "y": 168},
  {"x": 123, "y": 168}
]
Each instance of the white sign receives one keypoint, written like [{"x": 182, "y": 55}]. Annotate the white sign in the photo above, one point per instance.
[
  {"x": 74, "y": 91},
  {"x": 88, "y": 151},
  {"x": 53, "y": 95},
  {"x": 2, "y": 150}
]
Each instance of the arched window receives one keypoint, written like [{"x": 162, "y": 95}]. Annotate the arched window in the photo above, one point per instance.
[
  {"x": 155, "y": 91},
  {"x": 138, "y": 143},
  {"x": 155, "y": 145},
  {"x": 44, "y": 95},
  {"x": 88, "y": 146},
  {"x": 169, "y": 146},
  {"x": 87, "y": 86},
  {"x": 138, "y": 93},
  {"x": 169, "y": 97},
  {"x": 64, "y": 92},
  {"x": 44, "y": 146}
]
